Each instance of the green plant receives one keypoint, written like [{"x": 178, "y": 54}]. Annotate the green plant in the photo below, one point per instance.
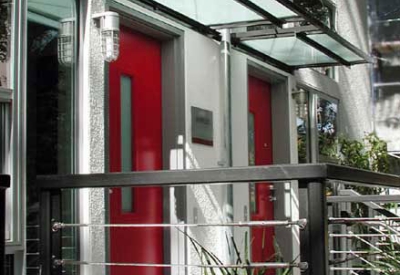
[
  {"x": 389, "y": 263},
  {"x": 369, "y": 154},
  {"x": 215, "y": 264}
]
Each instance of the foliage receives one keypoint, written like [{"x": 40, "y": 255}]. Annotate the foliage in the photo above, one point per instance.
[
  {"x": 368, "y": 154},
  {"x": 302, "y": 148},
  {"x": 208, "y": 258},
  {"x": 388, "y": 262},
  {"x": 316, "y": 7},
  {"x": 5, "y": 29},
  {"x": 385, "y": 259}
]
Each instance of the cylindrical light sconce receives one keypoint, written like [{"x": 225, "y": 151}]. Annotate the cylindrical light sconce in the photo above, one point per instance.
[
  {"x": 66, "y": 41},
  {"x": 301, "y": 98},
  {"x": 109, "y": 28}
]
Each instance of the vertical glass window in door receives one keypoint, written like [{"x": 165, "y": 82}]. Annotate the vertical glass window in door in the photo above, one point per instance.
[
  {"x": 13, "y": 202},
  {"x": 126, "y": 140},
  {"x": 51, "y": 67},
  {"x": 252, "y": 161},
  {"x": 302, "y": 124},
  {"x": 327, "y": 112}
]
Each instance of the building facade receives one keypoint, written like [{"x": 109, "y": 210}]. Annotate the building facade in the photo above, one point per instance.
[{"x": 174, "y": 85}]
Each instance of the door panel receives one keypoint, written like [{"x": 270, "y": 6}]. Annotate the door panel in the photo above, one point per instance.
[
  {"x": 136, "y": 145},
  {"x": 260, "y": 153}
]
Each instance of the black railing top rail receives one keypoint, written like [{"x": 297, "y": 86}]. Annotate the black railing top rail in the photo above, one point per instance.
[
  {"x": 4, "y": 181},
  {"x": 306, "y": 172}
]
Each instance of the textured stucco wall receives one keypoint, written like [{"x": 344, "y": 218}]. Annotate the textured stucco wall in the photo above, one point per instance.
[
  {"x": 355, "y": 85},
  {"x": 93, "y": 157},
  {"x": 207, "y": 204}
]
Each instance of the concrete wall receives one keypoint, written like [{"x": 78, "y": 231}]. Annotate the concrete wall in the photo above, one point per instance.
[
  {"x": 355, "y": 85},
  {"x": 205, "y": 204}
]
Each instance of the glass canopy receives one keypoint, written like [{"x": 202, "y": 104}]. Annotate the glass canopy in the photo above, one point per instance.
[
  {"x": 213, "y": 12},
  {"x": 290, "y": 50},
  {"x": 300, "y": 46},
  {"x": 335, "y": 46}
]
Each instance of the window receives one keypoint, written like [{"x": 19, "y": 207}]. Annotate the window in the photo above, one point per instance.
[
  {"x": 385, "y": 34},
  {"x": 5, "y": 132},
  {"x": 51, "y": 70},
  {"x": 7, "y": 52},
  {"x": 303, "y": 126},
  {"x": 316, "y": 119},
  {"x": 326, "y": 116}
]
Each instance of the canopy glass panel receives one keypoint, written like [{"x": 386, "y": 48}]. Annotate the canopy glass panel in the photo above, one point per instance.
[
  {"x": 335, "y": 46},
  {"x": 274, "y": 8},
  {"x": 290, "y": 50},
  {"x": 212, "y": 12}
]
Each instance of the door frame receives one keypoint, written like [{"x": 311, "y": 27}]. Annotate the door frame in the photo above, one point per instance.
[
  {"x": 284, "y": 151},
  {"x": 281, "y": 119}
]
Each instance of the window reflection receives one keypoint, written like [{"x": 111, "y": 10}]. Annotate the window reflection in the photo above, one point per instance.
[
  {"x": 6, "y": 11},
  {"x": 327, "y": 128},
  {"x": 316, "y": 121},
  {"x": 50, "y": 115},
  {"x": 252, "y": 161},
  {"x": 322, "y": 10},
  {"x": 302, "y": 123},
  {"x": 5, "y": 134}
]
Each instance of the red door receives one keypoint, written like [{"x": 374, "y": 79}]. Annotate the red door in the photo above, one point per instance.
[
  {"x": 136, "y": 144},
  {"x": 260, "y": 153}
]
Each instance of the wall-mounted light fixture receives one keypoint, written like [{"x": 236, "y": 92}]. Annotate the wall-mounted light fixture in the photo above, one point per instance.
[
  {"x": 301, "y": 98},
  {"x": 109, "y": 28},
  {"x": 66, "y": 41}
]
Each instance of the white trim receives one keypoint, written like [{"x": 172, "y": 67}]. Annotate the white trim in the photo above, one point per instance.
[{"x": 83, "y": 154}]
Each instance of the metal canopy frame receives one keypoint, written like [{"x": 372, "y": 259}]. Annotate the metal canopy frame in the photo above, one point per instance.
[{"x": 300, "y": 33}]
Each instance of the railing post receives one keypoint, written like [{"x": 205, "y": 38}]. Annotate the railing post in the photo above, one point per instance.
[
  {"x": 314, "y": 240},
  {"x": 50, "y": 242},
  {"x": 4, "y": 184}
]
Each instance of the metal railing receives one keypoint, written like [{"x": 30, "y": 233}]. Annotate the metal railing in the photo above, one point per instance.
[
  {"x": 312, "y": 181},
  {"x": 366, "y": 241},
  {"x": 4, "y": 184}
]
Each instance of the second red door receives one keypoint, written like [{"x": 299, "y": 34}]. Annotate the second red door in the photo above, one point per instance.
[{"x": 260, "y": 153}]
